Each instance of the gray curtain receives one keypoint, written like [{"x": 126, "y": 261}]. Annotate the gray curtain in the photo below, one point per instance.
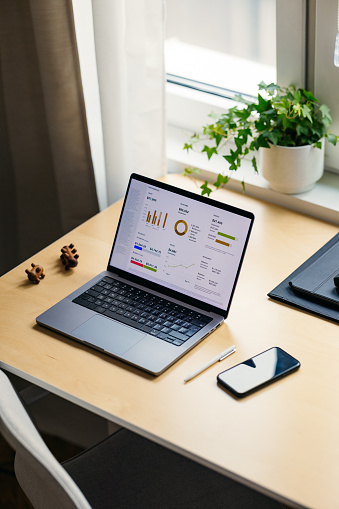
[{"x": 47, "y": 184}]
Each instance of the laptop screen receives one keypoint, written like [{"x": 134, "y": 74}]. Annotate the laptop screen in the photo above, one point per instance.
[{"x": 184, "y": 242}]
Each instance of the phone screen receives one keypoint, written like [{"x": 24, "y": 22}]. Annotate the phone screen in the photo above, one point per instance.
[{"x": 258, "y": 371}]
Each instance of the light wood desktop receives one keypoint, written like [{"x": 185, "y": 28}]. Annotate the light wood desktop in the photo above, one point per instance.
[{"x": 283, "y": 440}]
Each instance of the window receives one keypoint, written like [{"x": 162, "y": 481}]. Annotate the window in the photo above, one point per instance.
[
  {"x": 324, "y": 76},
  {"x": 225, "y": 46},
  {"x": 239, "y": 31},
  {"x": 215, "y": 48}
]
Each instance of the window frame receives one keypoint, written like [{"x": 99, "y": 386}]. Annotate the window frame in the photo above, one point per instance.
[
  {"x": 188, "y": 108},
  {"x": 187, "y": 111}
]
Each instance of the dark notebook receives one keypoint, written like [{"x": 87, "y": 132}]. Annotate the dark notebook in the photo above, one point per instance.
[
  {"x": 317, "y": 280},
  {"x": 310, "y": 301}
]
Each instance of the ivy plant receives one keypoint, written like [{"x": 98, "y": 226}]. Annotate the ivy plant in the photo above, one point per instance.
[{"x": 285, "y": 116}]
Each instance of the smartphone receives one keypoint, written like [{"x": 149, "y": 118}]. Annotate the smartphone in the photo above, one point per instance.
[{"x": 261, "y": 370}]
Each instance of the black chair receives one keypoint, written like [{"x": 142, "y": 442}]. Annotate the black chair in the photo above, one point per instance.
[{"x": 122, "y": 471}]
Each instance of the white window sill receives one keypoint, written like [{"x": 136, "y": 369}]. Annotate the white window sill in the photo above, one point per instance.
[
  {"x": 321, "y": 202},
  {"x": 198, "y": 64}
]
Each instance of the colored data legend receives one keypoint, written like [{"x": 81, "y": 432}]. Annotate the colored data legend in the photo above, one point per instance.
[
  {"x": 223, "y": 242},
  {"x": 153, "y": 269},
  {"x": 152, "y": 251},
  {"x": 154, "y": 220}
]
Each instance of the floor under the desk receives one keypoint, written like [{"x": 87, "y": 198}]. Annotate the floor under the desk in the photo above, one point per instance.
[{"x": 11, "y": 495}]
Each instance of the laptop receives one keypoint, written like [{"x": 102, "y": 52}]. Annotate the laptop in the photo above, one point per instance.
[{"x": 169, "y": 282}]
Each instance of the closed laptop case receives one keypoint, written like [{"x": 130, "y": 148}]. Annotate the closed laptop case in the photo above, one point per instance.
[
  {"x": 285, "y": 293},
  {"x": 317, "y": 280}
]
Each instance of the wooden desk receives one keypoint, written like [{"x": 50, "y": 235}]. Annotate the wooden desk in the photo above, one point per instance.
[{"x": 282, "y": 440}]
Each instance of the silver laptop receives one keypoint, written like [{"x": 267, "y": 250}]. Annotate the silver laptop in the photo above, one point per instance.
[{"x": 169, "y": 282}]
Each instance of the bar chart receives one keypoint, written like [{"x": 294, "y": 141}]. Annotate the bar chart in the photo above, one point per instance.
[
  {"x": 225, "y": 239},
  {"x": 157, "y": 218}
]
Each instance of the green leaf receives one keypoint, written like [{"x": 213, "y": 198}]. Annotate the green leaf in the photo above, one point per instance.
[
  {"x": 325, "y": 110},
  {"x": 221, "y": 180},
  {"x": 240, "y": 99},
  {"x": 254, "y": 164},
  {"x": 232, "y": 162},
  {"x": 274, "y": 137},
  {"x": 271, "y": 88},
  {"x": 297, "y": 96},
  {"x": 243, "y": 186},
  {"x": 262, "y": 105},
  {"x": 306, "y": 112},
  {"x": 261, "y": 142},
  {"x": 309, "y": 96},
  {"x": 219, "y": 130},
  {"x": 188, "y": 171},
  {"x": 218, "y": 139},
  {"x": 205, "y": 189},
  {"x": 332, "y": 138},
  {"x": 209, "y": 151},
  {"x": 301, "y": 129},
  {"x": 187, "y": 147},
  {"x": 195, "y": 138}
]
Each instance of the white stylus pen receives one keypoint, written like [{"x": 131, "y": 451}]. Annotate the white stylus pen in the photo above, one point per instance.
[{"x": 215, "y": 359}]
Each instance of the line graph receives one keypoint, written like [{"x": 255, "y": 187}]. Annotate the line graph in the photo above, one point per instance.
[{"x": 180, "y": 265}]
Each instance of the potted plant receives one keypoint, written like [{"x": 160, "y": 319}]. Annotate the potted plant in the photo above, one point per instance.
[{"x": 286, "y": 125}]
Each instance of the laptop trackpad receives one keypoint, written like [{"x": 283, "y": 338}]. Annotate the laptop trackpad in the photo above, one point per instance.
[{"x": 107, "y": 334}]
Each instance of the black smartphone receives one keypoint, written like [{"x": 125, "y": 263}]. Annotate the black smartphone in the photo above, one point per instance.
[{"x": 260, "y": 370}]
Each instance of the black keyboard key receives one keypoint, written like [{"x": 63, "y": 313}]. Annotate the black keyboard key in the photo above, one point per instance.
[
  {"x": 89, "y": 305},
  {"x": 97, "y": 288},
  {"x": 177, "y": 342},
  {"x": 145, "y": 328},
  {"x": 183, "y": 330},
  {"x": 178, "y": 335},
  {"x": 175, "y": 327},
  {"x": 107, "y": 279},
  {"x": 100, "y": 309},
  {"x": 154, "y": 332},
  {"x": 91, "y": 292},
  {"x": 205, "y": 319},
  {"x": 198, "y": 323},
  {"x": 80, "y": 300},
  {"x": 163, "y": 336},
  {"x": 192, "y": 331}
]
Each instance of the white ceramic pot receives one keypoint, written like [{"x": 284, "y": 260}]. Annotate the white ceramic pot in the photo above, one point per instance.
[{"x": 292, "y": 170}]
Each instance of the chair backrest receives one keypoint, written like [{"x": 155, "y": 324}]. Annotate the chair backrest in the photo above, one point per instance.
[{"x": 42, "y": 478}]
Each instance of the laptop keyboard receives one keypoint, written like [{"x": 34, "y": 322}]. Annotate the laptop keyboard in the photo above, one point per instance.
[{"x": 142, "y": 310}]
